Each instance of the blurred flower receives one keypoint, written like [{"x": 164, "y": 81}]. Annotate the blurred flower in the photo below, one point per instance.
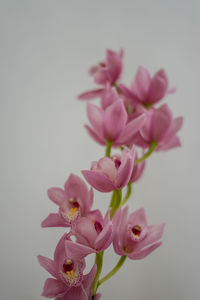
[
  {"x": 106, "y": 72},
  {"x": 146, "y": 90},
  {"x": 112, "y": 124},
  {"x": 159, "y": 128}
]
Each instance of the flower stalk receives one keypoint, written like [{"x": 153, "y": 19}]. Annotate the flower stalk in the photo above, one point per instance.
[
  {"x": 152, "y": 147},
  {"x": 114, "y": 270}
]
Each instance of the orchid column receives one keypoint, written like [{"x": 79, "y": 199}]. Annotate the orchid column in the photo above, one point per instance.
[{"x": 131, "y": 127}]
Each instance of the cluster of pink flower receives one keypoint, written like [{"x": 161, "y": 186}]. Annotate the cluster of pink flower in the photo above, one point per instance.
[{"x": 127, "y": 118}]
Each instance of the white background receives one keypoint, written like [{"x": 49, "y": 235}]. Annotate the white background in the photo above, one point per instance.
[{"x": 46, "y": 50}]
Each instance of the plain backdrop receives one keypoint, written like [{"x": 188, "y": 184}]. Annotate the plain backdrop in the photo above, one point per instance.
[{"x": 46, "y": 50}]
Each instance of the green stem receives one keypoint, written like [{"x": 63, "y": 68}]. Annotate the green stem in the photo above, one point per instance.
[
  {"x": 153, "y": 146},
  {"x": 114, "y": 270},
  {"x": 108, "y": 147},
  {"x": 99, "y": 263},
  {"x": 128, "y": 193},
  {"x": 118, "y": 199},
  {"x": 113, "y": 200}
]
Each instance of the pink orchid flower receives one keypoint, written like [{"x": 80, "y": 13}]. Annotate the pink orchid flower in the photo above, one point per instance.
[
  {"x": 111, "y": 173},
  {"x": 134, "y": 238},
  {"x": 93, "y": 234},
  {"x": 108, "y": 71},
  {"x": 112, "y": 124},
  {"x": 74, "y": 201},
  {"x": 147, "y": 90},
  {"x": 68, "y": 282},
  {"x": 161, "y": 128}
]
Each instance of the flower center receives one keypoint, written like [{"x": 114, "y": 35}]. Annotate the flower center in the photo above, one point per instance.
[
  {"x": 102, "y": 64},
  {"x": 98, "y": 227},
  {"x": 68, "y": 266},
  {"x": 136, "y": 230},
  {"x": 74, "y": 203},
  {"x": 117, "y": 162}
]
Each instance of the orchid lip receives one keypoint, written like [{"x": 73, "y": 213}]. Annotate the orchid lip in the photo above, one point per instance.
[
  {"x": 117, "y": 161},
  {"x": 70, "y": 273},
  {"x": 74, "y": 202},
  {"x": 136, "y": 230},
  {"x": 98, "y": 227},
  {"x": 68, "y": 266},
  {"x": 70, "y": 210}
]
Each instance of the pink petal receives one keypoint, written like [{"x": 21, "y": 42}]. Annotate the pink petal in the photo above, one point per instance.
[
  {"x": 139, "y": 141},
  {"x": 85, "y": 228},
  {"x": 128, "y": 93},
  {"x": 57, "y": 195},
  {"x": 131, "y": 129},
  {"x": 169, "y": 144},
  {"x": 76, "y": 293},
  {"x": 161, "y": 122},
  {"x": 76, "y": 250},
  {"x": 59, "y": 253},
  {"x": 48, "y": 264},
  {"x": 159, "y": 86},
  {"x": 116, "y": 220},
  {"x": 115, "y": 119},
  {"x": 138, "y": 171},
  {"x": 99, "y": 181},
  {"x": 104, "y": 238},
  {"x": 91, "y": 94},
  {"x": 90, "y": 199},
  {"x": 155, "y": 233},
  {"x": 53, "y": 288},
  {"x": 106, "y": 166},
  {"x": 95, "y": 116},
  {"x": 142, "y": 254},
  {"x": 117, "y": 246},
  {"x": 114, "y": 63},
  {"x": 123, "y": 227},
  {"x": 87, "y": 281},
  {"x": 109, "y": 96},
  {"x": 54, "y": 220},
  {"x": 95, "y": 215},
  {"x": 76, "y": 187},
  {"x": 125, "y": 171},
  {"x": 177, "y": 124},
  {"x": 102, "y": 76},
  {"x": 142, "y": 83},
  {"x": 138, "y": 217},
  {"x": 93, "y": 135}
]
